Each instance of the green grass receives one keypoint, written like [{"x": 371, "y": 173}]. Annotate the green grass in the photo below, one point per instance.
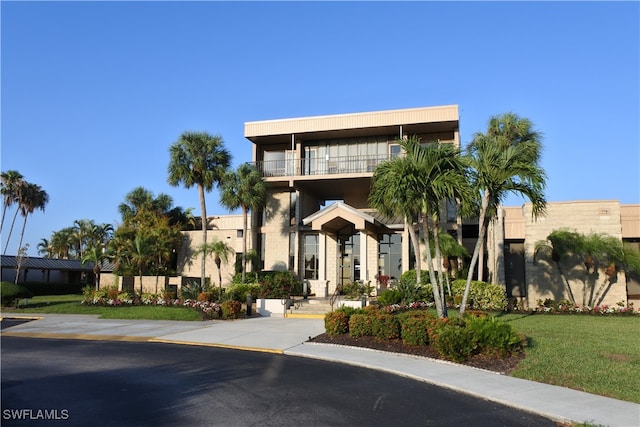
[
  {"x": 71, "y": 304},
  {"x": 596, "y": 354}
]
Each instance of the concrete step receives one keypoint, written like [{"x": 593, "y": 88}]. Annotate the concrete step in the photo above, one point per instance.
[{"x": 309, "y": 308}]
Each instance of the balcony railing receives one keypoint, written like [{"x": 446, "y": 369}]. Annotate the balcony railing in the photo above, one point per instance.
[{"x": 333, "y": 165}]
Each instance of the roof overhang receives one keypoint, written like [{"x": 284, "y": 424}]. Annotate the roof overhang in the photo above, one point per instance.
[
  {"x": 446, "y": 115},
  {"x": 339, "y": 215}
]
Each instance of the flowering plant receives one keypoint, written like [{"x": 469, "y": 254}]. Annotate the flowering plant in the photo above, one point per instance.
[{"x": 209, "y": 310}]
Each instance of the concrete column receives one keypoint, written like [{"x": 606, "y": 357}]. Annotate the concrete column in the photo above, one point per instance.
[
  {"x": 364, "y": 271},
  {"x": 322, "y": 255}
]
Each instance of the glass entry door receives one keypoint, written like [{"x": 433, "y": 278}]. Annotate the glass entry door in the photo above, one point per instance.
[{"x": 349, "y": 257}]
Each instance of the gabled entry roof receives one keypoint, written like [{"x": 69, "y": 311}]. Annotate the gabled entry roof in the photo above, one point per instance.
[{"x": 338, "y": 215}]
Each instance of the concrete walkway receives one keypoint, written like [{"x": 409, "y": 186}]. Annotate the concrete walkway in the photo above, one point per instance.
[{"x": 288, "y": 336}]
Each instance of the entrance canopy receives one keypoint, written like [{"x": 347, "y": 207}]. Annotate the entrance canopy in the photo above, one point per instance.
[{"x": 338, "y": 215}]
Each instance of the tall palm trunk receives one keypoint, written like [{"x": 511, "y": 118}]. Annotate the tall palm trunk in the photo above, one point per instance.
[
  {"x": 244, "y": 242},
  {"x": 4, "y": 212},
  {"x": 13, "y": 221},
  {"x": 203, "y": 209},
  {"x": 24, "y": 224},
  {"x": 476, "y": 250},
  {"x": 436, "y": 240},
  {"x": 416, "y": 249},
  {"x": 432, "y": 275}
]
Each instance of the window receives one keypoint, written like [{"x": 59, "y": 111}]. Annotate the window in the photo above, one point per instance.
[
  {"x": 311, "y": 262},
  {"x": 292, "y": 251},
  {"x": 452, "y": 210},
  {"x": 293, "y": 202},
  {"x": 311, "y": 160},
  {"x": 390, "y": 255},
  {"x": 262, "y": 246},
  {"x": 394, "y": 151},
  {"x": 239, "y": 233}
]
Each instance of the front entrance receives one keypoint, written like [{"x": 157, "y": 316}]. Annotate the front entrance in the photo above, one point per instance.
[{"x": 348, "y": 256}]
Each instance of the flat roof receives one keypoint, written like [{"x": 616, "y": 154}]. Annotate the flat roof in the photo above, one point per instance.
[{"x": 374, "y": 119}]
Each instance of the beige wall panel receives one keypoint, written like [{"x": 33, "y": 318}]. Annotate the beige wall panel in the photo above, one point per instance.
[
  {"x": 351, "y": 121},
  {"x": 190, "y": 266},
  {"x": 543, "y": 278},
  {"x": 331, "y": 262},
  {"x": 514, "y": 223},
  {"x": 630, "y": 218}
]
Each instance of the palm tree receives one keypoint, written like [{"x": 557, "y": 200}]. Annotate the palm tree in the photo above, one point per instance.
[
  {"x": 96, "y": 255},
  {"x": 449, "y": 248},
  {"x": 199, "y": 159},
  {"x": 34, "y": 197},
  {"x": 140, "y": 199},
  {"x": 11, "y": 182},
  {"x": 18, "y": 192},
  {"x": 45, "y": 248},
  {"x": 62, "y": 241},
  {"x": 593, "y": 251},
  {"x": 416, "y": 185},
  {"x": 441, "y": 175},
  {"x": 504, "y": 159},
  {"x": 140, "y": 254},
  {"x": 220, "y": 251},
  {"x": 244, "y": 189},
  {"x": 164, "y": 239},
  {"x": 83, "y": 229},
  {"x": 394, "y": 192}
]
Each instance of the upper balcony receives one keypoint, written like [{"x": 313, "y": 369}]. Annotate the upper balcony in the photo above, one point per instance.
[{"x": 316, "y": 167}]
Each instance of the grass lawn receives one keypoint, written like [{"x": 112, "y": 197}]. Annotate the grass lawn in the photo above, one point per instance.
[
  {"x": 596, "y": 354},
  {"x": 71, "y": 304}
]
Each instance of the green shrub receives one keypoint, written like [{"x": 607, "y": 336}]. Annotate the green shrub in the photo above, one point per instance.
[
  {"x": 191, "y": 289},
  {"x": 249, "y": 277},
  {"x": 411, "y": 277},
  {"x": 231, "y": 309},
  {"x": 355, "y": 290},
  {"x": 9, "y": 292},
  {"x": 209, "y": 296},
  {"x": 336, "y": 323},
  {"x": 360, "y": 325},
  {"x": 494, "y": 337},
  {"x": 385, "y": 326},
  {"x": 239, "y": 291},
  {"x": 278, "y": 284},
  {"x": 453, "y": 340},
  {"x": 412, "y": 291},
  {"x": 389, "y": 297},
  {"x": 414, "y": 327},
  {"x": 482, "y": 295}
]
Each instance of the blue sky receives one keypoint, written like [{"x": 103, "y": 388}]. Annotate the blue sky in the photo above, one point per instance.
[{"x": 94, "y": 93}]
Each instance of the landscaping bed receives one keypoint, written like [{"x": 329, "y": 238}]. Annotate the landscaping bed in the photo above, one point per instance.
[{"x": 504, "y": 365}]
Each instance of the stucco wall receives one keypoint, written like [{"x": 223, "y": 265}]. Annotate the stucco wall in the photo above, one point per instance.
[
  {"x": 225, "y": 228},
  {"x": 276, "y": 230},
  {"x": 543, "y": 277}
]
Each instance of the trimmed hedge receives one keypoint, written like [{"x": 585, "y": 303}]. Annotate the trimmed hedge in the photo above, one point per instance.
[
  {"x": 482, "y": 295},
  {"x": 360, "y": 325},
  {"x": 414, "y": 327},
  {"x": 385, "y": 326},
  {"x": 454, "y": 339},
  {"x": 336, "y": 323},
  {"x": 9, "y": 292}
]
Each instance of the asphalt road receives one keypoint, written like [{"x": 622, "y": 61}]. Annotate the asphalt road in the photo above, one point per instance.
[{"x": 99, "y": 383}]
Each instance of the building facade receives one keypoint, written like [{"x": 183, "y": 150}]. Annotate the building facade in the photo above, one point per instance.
[
  {"x": 318, "y": 224},
  {"x": 317, "y": 221}
]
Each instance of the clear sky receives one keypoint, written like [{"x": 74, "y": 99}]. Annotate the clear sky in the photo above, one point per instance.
[{"x": 94, "y": 93}]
